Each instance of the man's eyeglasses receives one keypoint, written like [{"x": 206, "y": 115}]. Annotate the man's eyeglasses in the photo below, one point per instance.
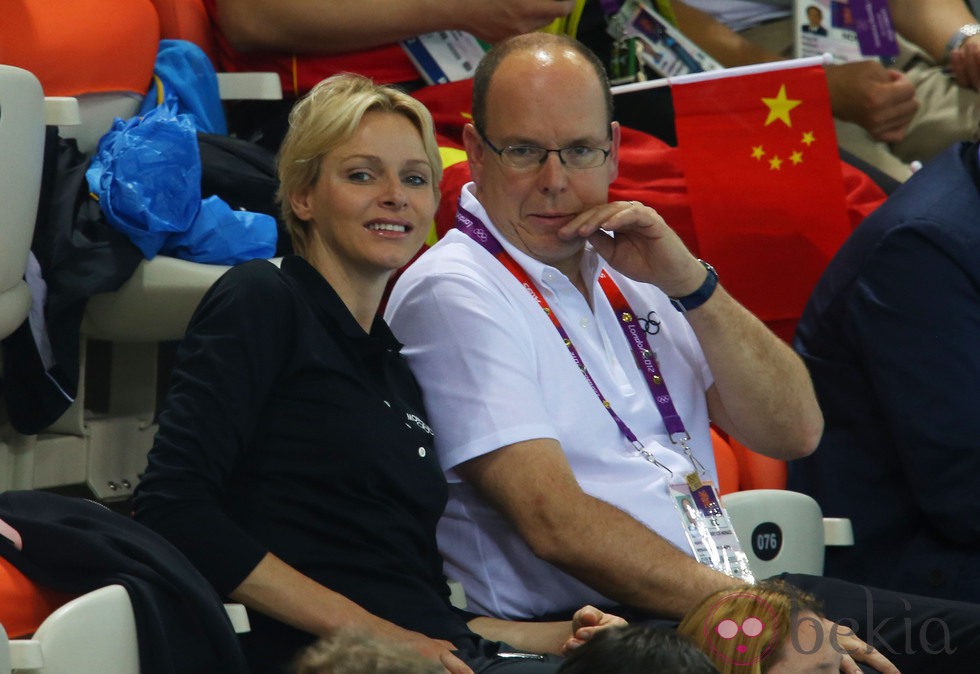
[{"x": 531, "y": 156}]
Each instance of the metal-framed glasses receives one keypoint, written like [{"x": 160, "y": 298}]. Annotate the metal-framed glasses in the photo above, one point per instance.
[{"x": 525, "y": 157}]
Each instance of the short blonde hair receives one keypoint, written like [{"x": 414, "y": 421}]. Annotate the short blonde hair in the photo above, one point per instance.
[
  {"x": 775, "y": 604},
  {"x": 328, "y": 116},
  {"x": 355, "y": 653}
]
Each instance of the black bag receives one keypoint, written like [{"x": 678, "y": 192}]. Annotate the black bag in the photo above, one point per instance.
[{"x": 243, "y": 174}]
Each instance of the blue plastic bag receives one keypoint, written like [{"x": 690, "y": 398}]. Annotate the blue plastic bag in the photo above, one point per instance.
[
  {"x": 185, "y": 80},
  {"x": 220, "y": 235},
  {"x": 147, "y": 176}
]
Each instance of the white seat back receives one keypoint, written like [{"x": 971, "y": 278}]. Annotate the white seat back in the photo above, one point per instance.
[
  {"x": 92, "y": 634},
  {"x": 97, "y": 111},
  {"x": 22, "y": 149},
  {"x": 781, "y": 531},
  {"x": 4, "y": 652}
]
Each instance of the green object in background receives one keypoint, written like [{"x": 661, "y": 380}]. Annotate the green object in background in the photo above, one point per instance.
[
  {"x": 665, "y": 10},
  {"x": 624, "y": 63}
]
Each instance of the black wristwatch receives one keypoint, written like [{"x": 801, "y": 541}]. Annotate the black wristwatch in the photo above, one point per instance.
[{"x": 699, "y": 296}]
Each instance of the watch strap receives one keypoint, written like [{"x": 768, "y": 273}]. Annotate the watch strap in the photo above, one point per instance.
[{"x": 699, "y": 296}]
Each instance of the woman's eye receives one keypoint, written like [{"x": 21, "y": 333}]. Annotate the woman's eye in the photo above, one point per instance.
[
  {"x": 416, "y": 181},
  {"x": 359, "y": 176}
]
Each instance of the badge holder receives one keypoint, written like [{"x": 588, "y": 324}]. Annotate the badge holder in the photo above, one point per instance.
[{"x": 708, "y": 528}]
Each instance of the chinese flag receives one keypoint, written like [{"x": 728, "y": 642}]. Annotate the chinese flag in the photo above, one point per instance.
[{"x": 764, "y": 178}]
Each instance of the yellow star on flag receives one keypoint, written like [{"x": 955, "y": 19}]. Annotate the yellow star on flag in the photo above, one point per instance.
[
  {"x": 758, "y": 152},
  {"x": 796, "y": 157},
  {"x": 775, "y": 163},
  {"x": 808, "y": 138},
  {"x": 779, "y": 107}
]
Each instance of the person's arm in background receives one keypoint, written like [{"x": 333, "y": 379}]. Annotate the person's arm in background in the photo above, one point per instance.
[
  {"x": 721, "y": 42},
  {"x": 931, "y": 24},
  {"x": 915, "y": 316},
  {"x": 336, "y": 26},
  {"x": 866, "y": 93}
]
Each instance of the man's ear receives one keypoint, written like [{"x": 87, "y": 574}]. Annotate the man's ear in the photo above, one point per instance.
[
  {"x": 475, "y": 151},
  {"x": 614, "y": 151}
]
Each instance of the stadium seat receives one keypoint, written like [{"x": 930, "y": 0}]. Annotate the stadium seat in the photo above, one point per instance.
[
  {"x": 21, "y": 146},
  {"x": 783, "y": 531},
  {"x": 91, "y": 634}
]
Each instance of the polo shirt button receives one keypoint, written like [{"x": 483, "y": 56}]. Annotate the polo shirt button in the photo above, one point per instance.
[
  {"x": 584, "y": 322},
  {"x": 422, "y": 452}
]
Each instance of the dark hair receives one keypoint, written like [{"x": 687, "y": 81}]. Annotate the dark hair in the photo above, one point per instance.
[
  {"x": 527, "y": 42},
  {"x": 633, "y": 648}
]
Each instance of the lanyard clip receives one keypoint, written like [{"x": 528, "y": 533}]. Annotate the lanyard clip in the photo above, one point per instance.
[{"x": 682, "y": 439}]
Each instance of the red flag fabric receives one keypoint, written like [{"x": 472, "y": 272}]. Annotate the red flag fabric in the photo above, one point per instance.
[
  {"x": 764, "y": 181},
  {"x": 449, "y": 105}
]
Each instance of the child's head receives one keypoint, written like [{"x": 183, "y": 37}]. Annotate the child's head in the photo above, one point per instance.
[
  {"x": 769, "y": 628},
  {"x": 632, "y": 648}
]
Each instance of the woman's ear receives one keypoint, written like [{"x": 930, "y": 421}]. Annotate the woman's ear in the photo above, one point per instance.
[{"x": 301, "y": 203}]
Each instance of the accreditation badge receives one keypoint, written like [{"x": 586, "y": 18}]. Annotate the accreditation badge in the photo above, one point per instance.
[
  {"x": 709, "y": 530},
  {"x": 444, "y": 56}
]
